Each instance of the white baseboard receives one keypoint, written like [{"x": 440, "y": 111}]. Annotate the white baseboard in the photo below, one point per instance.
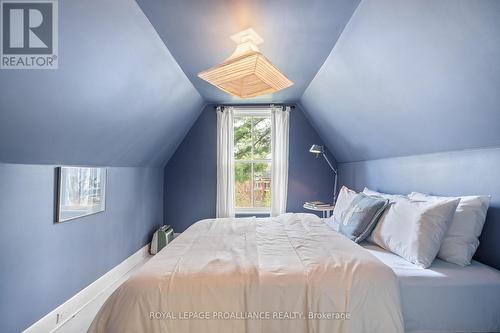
[{"x": 71, "y": 307}]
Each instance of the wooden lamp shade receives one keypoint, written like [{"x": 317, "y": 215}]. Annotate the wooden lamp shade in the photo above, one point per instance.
[{"x": 246, "y": 73}]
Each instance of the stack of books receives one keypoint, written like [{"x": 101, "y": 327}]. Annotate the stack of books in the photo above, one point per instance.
[{"x": 317, "y": 205}]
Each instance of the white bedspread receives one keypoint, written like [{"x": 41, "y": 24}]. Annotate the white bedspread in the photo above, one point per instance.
[{"x": 257, "y": 275}]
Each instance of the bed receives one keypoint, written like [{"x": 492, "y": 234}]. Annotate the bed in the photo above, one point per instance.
[
  {"x": 290, "y": 274},
  {"x": 297, "y": 263},
  {"x": 445, "y": 297}
]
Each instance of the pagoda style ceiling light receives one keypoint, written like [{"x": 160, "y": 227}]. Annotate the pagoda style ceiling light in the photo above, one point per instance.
[{"x": 246, "y": 73}]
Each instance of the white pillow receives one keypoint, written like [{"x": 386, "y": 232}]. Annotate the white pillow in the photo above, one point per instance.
[
  {"x": 332, "y": 223},
  {"x": 413, "y": 229},
  {"x": 367, "y": 191},
  {"x": 461, "y": 240},
  {"x": 344, "y": 199}
]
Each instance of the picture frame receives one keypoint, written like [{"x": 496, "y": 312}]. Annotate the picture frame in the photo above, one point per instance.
[{"x": 81, "y": 191}]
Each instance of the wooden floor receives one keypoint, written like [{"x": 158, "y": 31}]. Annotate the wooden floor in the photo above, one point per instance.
[{"x": 82, "y": 320}]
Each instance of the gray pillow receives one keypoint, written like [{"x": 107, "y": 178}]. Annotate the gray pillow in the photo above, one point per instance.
[{"x": 359, "y": 219}]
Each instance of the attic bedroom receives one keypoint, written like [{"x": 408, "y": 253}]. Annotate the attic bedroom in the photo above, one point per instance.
[{"x": 250, "y": 166}]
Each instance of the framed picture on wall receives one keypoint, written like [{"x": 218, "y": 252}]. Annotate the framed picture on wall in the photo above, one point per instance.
[{"x": 81, "y": 191}]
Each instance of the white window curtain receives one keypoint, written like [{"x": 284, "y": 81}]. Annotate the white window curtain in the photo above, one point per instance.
[
  {"x": 280, "y": 119},
  {"x": 225, "y": 162}
]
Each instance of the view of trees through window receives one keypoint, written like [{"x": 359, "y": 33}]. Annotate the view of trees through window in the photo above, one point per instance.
[{"x": 252, "y": 154}]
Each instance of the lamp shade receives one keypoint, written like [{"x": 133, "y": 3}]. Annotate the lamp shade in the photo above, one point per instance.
[
  {"x": 316, "y": 149},
  {"x": 247, "y": 72}
]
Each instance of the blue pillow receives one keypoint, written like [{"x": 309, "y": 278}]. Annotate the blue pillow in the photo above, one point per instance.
[{"x": 359, "y": 219}]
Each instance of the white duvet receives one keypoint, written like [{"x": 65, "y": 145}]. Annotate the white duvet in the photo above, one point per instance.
[{"x": 288, "y": 274}]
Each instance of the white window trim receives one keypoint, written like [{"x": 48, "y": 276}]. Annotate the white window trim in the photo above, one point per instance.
[
  {"x": 250, "y": 211},
  {"x": 255, "y": 112},
  {"x": 252, "y": 112}
]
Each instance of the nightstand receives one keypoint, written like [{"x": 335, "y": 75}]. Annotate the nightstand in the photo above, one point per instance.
[{"x": 326, "y": 211}]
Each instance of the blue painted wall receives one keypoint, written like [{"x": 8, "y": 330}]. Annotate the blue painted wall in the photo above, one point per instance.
[
  {"x": 309, "y": 178},
  {"x": 468, "y": 172},
  {"x": 410, "y": 77},
  {"x": 191, "y": 173},
  {"x": 119, "y": 98},
  {"x": 43, "y": 263}
]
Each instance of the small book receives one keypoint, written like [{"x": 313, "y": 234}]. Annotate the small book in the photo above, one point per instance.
[
  {"x": 317, "y": 204},
  {"x": 313, "y": 203}
]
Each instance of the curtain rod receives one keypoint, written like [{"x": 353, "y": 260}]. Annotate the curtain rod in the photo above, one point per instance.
[{"x": 253, "y": 107}]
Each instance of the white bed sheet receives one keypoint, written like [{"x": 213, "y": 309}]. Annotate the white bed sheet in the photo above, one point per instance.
[
  {"x": 445, "y": 297},
  {"x": 292, "y": 263}
]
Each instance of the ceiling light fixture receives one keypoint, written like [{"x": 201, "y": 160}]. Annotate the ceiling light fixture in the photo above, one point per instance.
[{"x": 246, "y": 73}]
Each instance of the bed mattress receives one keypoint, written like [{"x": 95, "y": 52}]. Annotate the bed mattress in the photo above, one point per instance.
[{"x": 445, "y": 297}]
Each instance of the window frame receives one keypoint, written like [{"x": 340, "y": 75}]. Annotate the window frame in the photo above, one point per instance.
[{"x": 263, "y": 112}]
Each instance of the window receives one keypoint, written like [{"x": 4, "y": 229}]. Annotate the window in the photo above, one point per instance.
[{"x": 252, "y": 157}]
